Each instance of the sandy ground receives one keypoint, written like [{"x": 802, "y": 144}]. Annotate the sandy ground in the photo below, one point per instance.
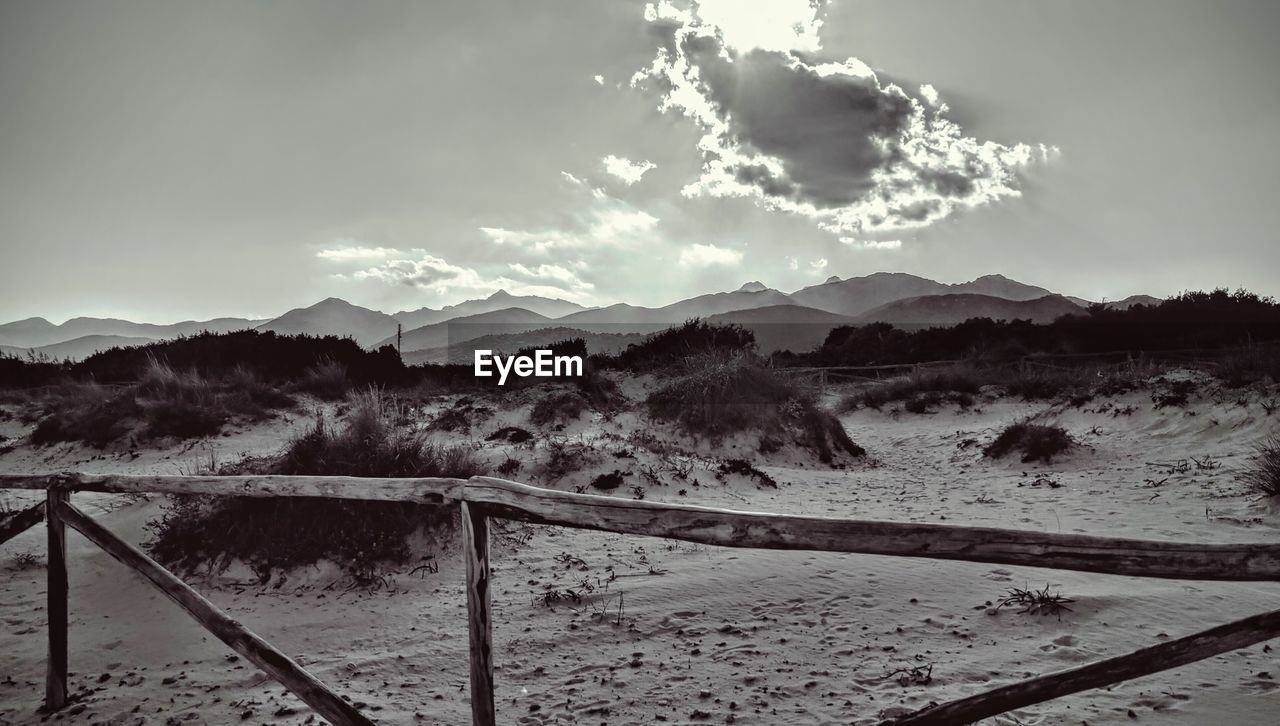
[{"x": 681, "y": 633}]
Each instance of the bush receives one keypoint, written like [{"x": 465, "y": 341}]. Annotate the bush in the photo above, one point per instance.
[
  {"x": 88, "y": 412},
  {"x": 695, "y": 338},
  {"x": 162, "y": 403},
  {"x": 1037, "y": 442},
  {"x": 558, "y": 407},
  {"x": 1263, "y": 474},
  {"x": 327, "y": 380},
  {"x": 723, "y": 394},
  {"x": 272, "y": 534}
]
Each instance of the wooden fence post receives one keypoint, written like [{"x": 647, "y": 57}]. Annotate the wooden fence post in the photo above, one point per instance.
[
  {"x": 55, "y": 685},
  {"x": 475, "y": 536}
]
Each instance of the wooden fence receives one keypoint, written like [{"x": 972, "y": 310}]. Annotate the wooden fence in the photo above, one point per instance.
[{"x": 483, "y": 498}]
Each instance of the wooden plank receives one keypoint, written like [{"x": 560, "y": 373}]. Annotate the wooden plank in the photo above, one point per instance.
[
  {"x": 1139, "y": 558},
  {"x": 55, "y": 681},
  {"x": 19, "y": 522},
  {"x": 274, "y": 663},
  {"x": 475, "y": 538},
  {"x": 424, "y": 490},
  {"x": 1176, "y": 653}
]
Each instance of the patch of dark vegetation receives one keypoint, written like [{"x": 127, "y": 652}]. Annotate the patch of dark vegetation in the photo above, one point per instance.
[
  {"x": 1263, "y": 473},
  {"x": 925, "y": 390},
  {"x": 824, "y": 433},
  {"x": 461, "y": 417},
  {"x": 164, "y": 402},
  {"x": 1036, "y": 442},
  {"x": 608, "y": 482},
  {"x": 509, "y": 466},
  {"x": 1194, "y": 320},
  {"x": 558, "y": 407},
  {"x": 273, "y": 534},
  {"x": 668, "y": 348},
  {"x": 563, "y": 458},
  {"x": 723, "y": 394},
  {"x": 742, "y": 467},
  {"x": 510, "y": 434},
  {"x": 1169, "y": 393}
]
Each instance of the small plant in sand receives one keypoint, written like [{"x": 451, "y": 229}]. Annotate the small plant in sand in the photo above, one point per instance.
[
  {"x": 1263, "y": 473},
  {"x": 1036, "y": 442},
  {"x": 1035, "y": 602}
]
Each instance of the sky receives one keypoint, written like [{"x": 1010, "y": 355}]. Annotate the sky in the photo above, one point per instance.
[{"x": 162, "y": 161}]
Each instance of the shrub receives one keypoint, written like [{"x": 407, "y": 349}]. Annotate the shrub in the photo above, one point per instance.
[
  {"x": 695, "y": 338},
  {"x": 163, "y": 402},
  {"x": 271, "y": 534},
  {"x": 558, "y": 407},
  {"x": 823, "y": 432},
  {"x": 723, "y": 394},
  {"x": 1037, "y": 442},
  {"x": 924, "y": 389},
  {"x": 88, "y": 412},
  {"x": 1263, "y": 474},
  {"x": 607, "y": 482},
  {"x": 726, "y": 394},
  {"x": 327, "y": 380},
  {"x": 510, "y": 434}
]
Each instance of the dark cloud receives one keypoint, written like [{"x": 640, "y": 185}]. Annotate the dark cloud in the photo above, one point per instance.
[{"x": 828, "y": 140}]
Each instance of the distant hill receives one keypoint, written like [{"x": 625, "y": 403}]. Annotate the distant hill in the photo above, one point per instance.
[
  {"x": 1132, "y": 300},
  {"x": 702, "y": 306},
  {"x": 957, "y": 308},
  {"x": 334, "y": 316},
  {"x": 857, "y": 295},
  {"x": 785, "y": 327},
  {"x": 78, "y": 348},
  {"x": 464, "y": 351},
  {"x": 469, "y": 327},
  {"x": 38, "y": 332},
  {"x": 852, "y": 298},
  {"x": 500, "y": 300}
]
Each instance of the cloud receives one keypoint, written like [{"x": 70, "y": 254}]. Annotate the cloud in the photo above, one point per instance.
[
  {"x": 698, "y": 255},
  {"x": 887, "y": 244},
  {"x": 604, "y": 222},
  {"x": 625, "y": 169},
  {"x": 825, "y": 140},
  {"x": 353, "y": 251},
  {"x": 819, "y": 264},
  {"x": 420, "y": 269}
]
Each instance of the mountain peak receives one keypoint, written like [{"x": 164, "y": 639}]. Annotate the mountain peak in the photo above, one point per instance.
[
  {"x": 499, "y": 295},
  {"x": 753, "y": 286},
  {"x": 833, "y": 278}
]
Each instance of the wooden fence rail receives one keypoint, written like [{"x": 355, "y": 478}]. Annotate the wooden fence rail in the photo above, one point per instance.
[{"x": 484, "y": 497}]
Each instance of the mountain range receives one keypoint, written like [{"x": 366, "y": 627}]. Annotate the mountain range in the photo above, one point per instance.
[{"x": 797, "y": 320}]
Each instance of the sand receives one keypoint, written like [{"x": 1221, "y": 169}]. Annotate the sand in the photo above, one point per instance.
[{"x": 681, "y": 633}]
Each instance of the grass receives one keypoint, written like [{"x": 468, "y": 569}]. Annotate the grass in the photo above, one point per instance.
[
  {"x": 669, "y": 348},
  {"x": 164, "y": 402},
  {"x": 1036, "y": 442},
  {"x": 1035, "y": 602},
  {"x": 1263, "y": 473},
  {"x": 723, "y": 394},
  {"x": 558, "y": 407},
  {"x": 925, "y": 389},
  {"x": 274, "y": 534}
]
